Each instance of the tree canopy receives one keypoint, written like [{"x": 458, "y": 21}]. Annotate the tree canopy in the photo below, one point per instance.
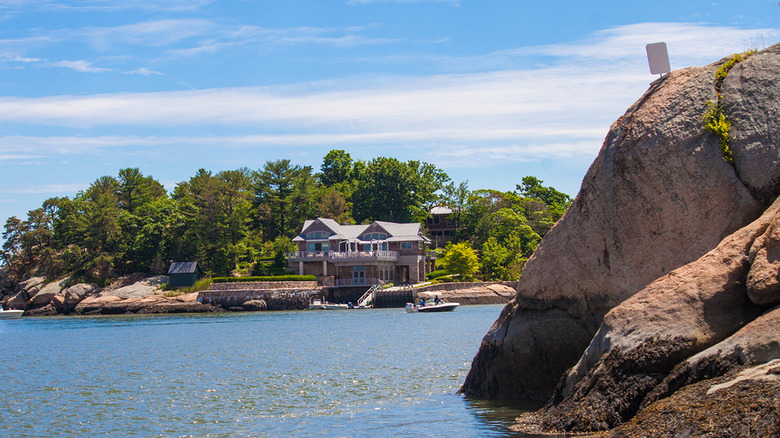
[{"x": 241, "y": 221}]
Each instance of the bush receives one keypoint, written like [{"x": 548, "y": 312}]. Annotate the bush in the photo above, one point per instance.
[
  {"x": 265, "y": 278},
  {"x": 199, "y": 285},
  {"x": 435, "y": 274}
]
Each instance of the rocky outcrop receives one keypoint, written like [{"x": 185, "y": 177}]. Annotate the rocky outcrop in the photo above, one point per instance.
[
  {"x": 470, "y": 293},
  {"x": 115, "y": 305},
  {"x": 642, "y": 349},
  {"x": 658, "y": 196}
]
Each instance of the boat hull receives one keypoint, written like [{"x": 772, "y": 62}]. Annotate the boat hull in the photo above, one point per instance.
[
  {"x": 443, "y": 307},
  {"x": 11, "y": 314}
]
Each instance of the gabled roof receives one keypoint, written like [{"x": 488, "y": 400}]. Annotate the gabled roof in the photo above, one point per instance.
[
  {"x": 402, "y": 232},
  {"x": 183, "y": 268},
  {"x": 406, "y": 232}
]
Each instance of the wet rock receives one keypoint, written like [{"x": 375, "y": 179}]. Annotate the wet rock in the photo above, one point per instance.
[{"x": 255, "y": 305}]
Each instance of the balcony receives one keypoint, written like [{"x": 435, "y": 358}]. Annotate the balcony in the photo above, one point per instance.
[{"x": 346, "y": 256}]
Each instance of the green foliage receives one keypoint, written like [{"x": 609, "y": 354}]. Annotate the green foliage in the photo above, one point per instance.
[
  {"x": 202, "y": 284},
  {"x": 716, "y": 122},
  {"x": 715, "y": 119},
  {"x": 435, "y": 274},
  {"x": 336, "y": 168},
  {"x": 264, "y": 278},
  {"x": 723, "y": 70},
  {"x": 501, "y": 262},
  {"x": 462, "y": 260},
  {"x": 395, "y": 191},
  {"x": 241, "y": 221}
]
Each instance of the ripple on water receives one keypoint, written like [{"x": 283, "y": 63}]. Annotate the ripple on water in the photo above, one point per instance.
[{"x": 362, "y": 373}]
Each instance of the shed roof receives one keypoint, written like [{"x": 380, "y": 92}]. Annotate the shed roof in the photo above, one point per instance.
[{"x": 183, "y": 268}]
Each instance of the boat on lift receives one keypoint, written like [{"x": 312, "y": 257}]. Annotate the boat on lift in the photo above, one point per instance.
[{"x": 321, "y": 304}]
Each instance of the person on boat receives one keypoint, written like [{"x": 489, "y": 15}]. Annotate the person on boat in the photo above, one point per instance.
[
  {"x": 436, "y": 300},
  {"x": 422, "y": 302}
]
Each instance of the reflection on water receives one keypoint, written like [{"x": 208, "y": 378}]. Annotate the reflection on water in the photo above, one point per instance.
[{"x": 341, "y": 373}]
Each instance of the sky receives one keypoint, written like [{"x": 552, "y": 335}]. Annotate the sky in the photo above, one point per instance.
[{"x": 489, "y": 91}]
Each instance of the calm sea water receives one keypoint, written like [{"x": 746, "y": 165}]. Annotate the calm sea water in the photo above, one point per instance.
[{"x": 378, "y": 372}]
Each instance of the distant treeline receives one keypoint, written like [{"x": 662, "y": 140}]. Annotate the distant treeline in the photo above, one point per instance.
[{"x": 241, "y": 221}]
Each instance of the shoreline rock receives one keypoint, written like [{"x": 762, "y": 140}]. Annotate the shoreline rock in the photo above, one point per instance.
[{"x": 695, "y": 352}]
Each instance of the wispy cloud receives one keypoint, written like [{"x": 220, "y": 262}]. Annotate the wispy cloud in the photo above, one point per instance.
[
  {"x": 50, "y": 189},
  {"x": 80, "y": 66},
  {"x": 30, "y": 6},
  {"x": 562, "y": 108},
  {"x": 363, "y": 2}
]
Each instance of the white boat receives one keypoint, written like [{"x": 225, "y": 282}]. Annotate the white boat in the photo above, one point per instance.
[
  {"x": 430, "y": 308},
  {"x": 318, "y": 304},
  {"x": 10, "y": 313}
]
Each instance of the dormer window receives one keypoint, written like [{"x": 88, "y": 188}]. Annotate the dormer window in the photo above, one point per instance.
[
  {"x": 317, "y": 235},
  {"x": 374, "y": 236}
]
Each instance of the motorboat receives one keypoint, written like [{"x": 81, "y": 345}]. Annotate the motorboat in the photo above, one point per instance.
[
  {"x": 431, "y": 302},
  {"x": 431, "y": 308},
  {"x": 10, "y": 313},
  {"x": 441, "y": 307},
  {"x": 319, "y": 304}
]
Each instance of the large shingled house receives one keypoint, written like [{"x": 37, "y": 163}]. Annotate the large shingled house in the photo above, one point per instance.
[{"x": 355, "y": 255}]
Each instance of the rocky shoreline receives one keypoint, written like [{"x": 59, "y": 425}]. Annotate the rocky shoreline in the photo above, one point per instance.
[{"x": 142, "y": 294}]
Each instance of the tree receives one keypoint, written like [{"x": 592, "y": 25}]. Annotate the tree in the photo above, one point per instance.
[
  {"x": 460, "y": 259},
  {"x": 333, "y": 205},
  {"x": 135, "y": 190},
  {"x": 286, "y": 191},
  {"x": 336, "y": 168},
  {"x": 391, "y": 190},
  {"x": 556, "y": 201}
]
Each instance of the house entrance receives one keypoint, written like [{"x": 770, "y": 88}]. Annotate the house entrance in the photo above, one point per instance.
[{"x": 358, "y": 275}]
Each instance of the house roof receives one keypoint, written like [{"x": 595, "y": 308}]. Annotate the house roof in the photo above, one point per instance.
[
  {"x": 399, "y": 232},
  {"x": 183, "y": 268},
  {"x": 441, "y": 210}
]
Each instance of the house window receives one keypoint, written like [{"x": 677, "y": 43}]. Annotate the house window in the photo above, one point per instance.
[
  {"x": 374, "y": 236},
  {"x": 436, "y": 219},
  {"x": 317, "y": 235},
  {"x": 406, "y": 245}
]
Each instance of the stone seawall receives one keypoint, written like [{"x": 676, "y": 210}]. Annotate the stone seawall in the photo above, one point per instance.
[
  {"x": 264, "y": 285},
  {"x": 274, "y": 299}
]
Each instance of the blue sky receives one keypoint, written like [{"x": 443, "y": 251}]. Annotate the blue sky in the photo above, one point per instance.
[{"x": 490, "y": 91}]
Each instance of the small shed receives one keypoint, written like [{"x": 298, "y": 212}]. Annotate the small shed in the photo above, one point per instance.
[{"x": 183, "y": 274}]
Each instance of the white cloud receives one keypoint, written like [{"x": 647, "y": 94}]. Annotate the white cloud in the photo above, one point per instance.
[
  {"x": 563, "y": 109},
  {"x": 143, "y": 71},
  {"x": 50, "y": 189},
  {"x": 80, "y": 66}
]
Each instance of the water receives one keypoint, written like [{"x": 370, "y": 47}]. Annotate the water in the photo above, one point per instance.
[{"x": 372, "y": 372}]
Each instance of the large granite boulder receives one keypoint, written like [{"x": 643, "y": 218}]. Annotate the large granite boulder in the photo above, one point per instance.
[
  {"x": 658, "y": 196},
  {"x": 630, "y": 361},
  {"x": 45, "y": 295},
  {"x": 135, "y": 286}
]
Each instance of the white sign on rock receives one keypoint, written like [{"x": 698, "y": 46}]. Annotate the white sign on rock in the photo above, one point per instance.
[{"x": 658, "y": 58}]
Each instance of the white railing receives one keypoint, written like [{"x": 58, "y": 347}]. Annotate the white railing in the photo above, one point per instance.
[
  {"x": 363, "y": 254},
  {"x": 342, "y": 255}
]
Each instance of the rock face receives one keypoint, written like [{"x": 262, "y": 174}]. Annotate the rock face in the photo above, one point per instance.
[
  {"x": 652, "y": 344},
  {"x": 658, "y": 196}
]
